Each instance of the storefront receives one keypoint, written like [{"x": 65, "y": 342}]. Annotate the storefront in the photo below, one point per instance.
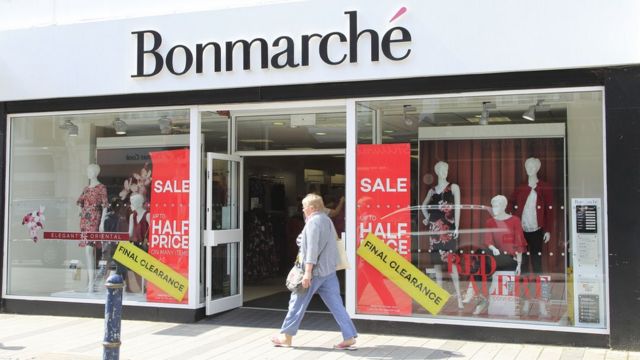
[{"x": 487, "y": 188}]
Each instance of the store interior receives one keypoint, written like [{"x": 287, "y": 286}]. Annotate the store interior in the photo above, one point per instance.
[{"x": 273, "y": 189}]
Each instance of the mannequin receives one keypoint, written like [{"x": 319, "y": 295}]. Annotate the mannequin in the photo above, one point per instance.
[
  {"x": 441, "y": 210},
  {"x": 93, "y": 207},
  {"x": 115, "y": 220},
  {"x": 138, "y": 234},
  {"x": 533, "y": 203},
  {"x": 506, "y": 243}
]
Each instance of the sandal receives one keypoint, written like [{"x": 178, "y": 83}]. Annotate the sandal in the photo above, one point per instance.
[
  {"x": 346, "y": 345},
  {"x": 275, "y": 340}
]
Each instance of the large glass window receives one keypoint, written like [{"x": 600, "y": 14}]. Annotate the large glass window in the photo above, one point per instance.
[
  {"x": 492, "y": 203},
  {"x": 81, "y": 184}
]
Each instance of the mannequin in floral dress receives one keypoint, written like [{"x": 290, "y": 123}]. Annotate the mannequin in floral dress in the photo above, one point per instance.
[
  {"x": 441, "y": 210},
  {"x": 93, "y": 207}
]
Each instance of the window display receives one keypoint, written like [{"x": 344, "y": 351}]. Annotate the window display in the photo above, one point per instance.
[
  {"x": 95, "y": 178},
  {"x": 489, "y": 189}
]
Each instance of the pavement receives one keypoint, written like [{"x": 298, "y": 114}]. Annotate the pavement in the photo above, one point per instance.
[{"x": 244, "y": 334}]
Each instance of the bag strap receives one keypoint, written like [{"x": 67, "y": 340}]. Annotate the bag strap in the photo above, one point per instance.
[{"x": 335, "y": 232}]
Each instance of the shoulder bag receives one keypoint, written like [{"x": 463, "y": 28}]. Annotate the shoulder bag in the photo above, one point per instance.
[
  {"x": 294, "y": 278},
  {"x": 343, "y": 262}
]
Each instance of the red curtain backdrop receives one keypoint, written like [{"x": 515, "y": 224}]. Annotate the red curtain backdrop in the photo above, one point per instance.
[{"x": 489, "y": 167}]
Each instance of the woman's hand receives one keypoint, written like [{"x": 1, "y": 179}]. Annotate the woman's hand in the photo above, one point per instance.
[{"x": 306, "y": 280}]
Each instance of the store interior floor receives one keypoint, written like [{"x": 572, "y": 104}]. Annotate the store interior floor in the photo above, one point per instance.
[{"x": 273, "y": 190}]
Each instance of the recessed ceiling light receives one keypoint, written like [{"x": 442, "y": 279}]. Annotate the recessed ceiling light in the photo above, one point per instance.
[
  {"x": 389, "y": 131},
  {"x": 321, "y": 133},
  {"x": 278, "y": 123},
  {"x": 256, "y": 141}
]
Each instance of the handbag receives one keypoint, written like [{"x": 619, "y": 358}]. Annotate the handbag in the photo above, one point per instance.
[
  {"x": 294, "y": 278},
  {"x": 342, "y": 262}
]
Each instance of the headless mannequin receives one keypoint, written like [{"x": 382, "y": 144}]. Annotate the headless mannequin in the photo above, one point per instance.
[
  {"x": 93, "y": 170},
  {"x": 442, "y": 171},
  {"x": 137, "y": 216}
]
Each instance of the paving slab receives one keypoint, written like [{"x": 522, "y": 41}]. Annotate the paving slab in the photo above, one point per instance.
[{"x": 244, "y": 334}]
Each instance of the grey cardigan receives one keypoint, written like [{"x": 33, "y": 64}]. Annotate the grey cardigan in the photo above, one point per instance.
[{"x": 318, "y": 245}]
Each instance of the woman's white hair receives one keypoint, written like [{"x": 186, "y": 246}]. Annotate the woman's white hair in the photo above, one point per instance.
[{"x": 314, "y": 201}]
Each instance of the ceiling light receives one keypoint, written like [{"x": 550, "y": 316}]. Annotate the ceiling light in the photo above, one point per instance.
[
  {"x": 255, "y": 141},
  {"x": 120, "y": 126},
  {"x": 388, "y": 131},
  {"x": 407, "y": 121},
  {"x": 321, "y": 133},
  {"x": 484, "y": 117},
  {"x": 165, "y": 125},
  {"x": 530, "y": 114},
  {"x": 70, "y": 127},
  {"x": 278, "y": 123},
  {"x": 73, "y": 130}
]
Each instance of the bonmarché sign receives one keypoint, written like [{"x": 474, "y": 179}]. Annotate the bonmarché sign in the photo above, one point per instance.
[{"x": 218, "y": 56}]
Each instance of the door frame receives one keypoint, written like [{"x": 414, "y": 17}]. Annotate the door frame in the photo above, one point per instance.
[
  {"x": 212, "y": 238},
  {"x": 197, "y": 155}
]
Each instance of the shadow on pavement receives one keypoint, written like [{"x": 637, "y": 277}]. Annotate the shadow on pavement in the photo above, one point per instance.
[{"x": 389, "y": 352}]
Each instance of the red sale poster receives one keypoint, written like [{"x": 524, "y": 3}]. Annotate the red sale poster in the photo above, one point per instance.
[
  {"x": 383, "y": 192},
  {"x": 169, "y": 213}
]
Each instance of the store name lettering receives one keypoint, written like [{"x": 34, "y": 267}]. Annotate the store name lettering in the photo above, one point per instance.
[
  {"x": 169, "y": 234},
  {"x": 171, "y": 186},
  {"x": 137, "y": 157},
  {"x": 384, "y": 185},
  {"x": 393, "y": 44}
]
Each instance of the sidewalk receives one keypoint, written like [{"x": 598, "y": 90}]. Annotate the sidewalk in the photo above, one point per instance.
[{"x": 244, "y": 334}]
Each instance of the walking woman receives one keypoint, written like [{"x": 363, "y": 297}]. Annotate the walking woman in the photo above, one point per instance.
[{"x": 318, "y": 252}]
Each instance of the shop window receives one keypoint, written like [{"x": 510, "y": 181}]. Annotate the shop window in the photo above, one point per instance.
[
  {"x": 493, "y": 205},
  {"x": 74, "y": 183},
  {"x": 215, "y": 131},
  {"x": 366, "y": 118}
]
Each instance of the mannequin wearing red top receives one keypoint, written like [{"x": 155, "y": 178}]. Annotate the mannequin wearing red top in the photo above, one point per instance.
[
  {"x": 505, "y": 240},
  {"x": 533, "y": 202},
  {"x": 138, "y": 234}
]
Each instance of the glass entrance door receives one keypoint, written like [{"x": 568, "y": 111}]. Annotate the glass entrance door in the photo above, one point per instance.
[{"x": 223, "y": 233}]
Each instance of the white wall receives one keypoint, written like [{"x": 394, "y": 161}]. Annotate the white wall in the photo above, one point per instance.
[
  {"x": 21, "y": 14},
  {"x": 448, "y": 38}
]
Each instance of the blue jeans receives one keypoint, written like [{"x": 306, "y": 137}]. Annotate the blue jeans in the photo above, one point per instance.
[{"x": 329, "y": 290}]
